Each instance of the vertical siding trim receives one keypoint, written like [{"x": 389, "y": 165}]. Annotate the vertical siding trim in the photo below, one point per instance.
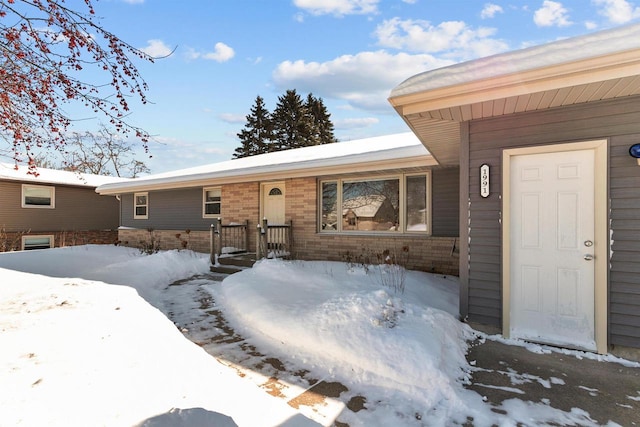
[{"x": 464, "y": 220}]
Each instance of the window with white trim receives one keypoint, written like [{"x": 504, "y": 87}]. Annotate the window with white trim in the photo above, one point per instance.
[
  {"x": 38, "y": 196},
  {"x": 391, "y": 204},
  {"x": 37, "y": 242},
  {"x": 140, "y": 205},
  {"x": 212, "y": 201}
]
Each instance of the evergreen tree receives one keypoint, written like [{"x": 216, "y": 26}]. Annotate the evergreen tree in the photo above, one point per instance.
[
  {"x": 293, "y": 126},
  {"x": 257, "y": 135},
  {"x": 322, "y": 124}
]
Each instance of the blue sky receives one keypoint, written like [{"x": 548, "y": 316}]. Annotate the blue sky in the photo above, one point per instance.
[{"x": 351, "y": 53}]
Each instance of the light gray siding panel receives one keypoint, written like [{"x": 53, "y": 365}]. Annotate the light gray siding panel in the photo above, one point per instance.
[
  {"x": 76, "y": 209},
  {"x": 445, "y": 202},
  {"x": 168, "y": 210},
  {"x": 616, "y": 120}
]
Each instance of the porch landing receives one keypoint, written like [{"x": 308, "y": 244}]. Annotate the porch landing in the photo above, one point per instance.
[{"x": 233, "y": 263}]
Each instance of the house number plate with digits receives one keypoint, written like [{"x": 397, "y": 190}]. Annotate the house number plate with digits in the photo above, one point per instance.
[{"x": 484, "y": 180}]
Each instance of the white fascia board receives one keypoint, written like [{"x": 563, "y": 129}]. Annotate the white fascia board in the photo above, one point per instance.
[
  {"x": 403, "y": 157},
  {"x": 550, "y": 55}
]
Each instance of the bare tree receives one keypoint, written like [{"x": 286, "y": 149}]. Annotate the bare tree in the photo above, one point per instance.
[
  {"x": 101, "y": 153},
  {"x": 44, "y": 48}
]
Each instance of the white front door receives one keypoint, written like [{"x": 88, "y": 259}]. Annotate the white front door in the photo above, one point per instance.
[
  {"x": 552, "y": 238},
  {"x": 273, "y": 202}
]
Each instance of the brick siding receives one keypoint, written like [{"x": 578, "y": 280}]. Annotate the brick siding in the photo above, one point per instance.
[
  {"x": 242, "y": 201},
  {"x": 12, "y": 241}
]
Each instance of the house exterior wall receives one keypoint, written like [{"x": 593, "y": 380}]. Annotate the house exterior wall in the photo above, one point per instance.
[
  {"x": 615, "y": 120},
  {"x": 172, "y": 212},
  {"x": 445, "y": 202},
  {"x": 76, "y": 208},
  {"x": 80, "y": 216},
  {"x": 12, "y": 240}
]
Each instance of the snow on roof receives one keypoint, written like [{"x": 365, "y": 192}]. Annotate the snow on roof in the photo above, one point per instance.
[
  {"x": 593, "y": 45},
  {"x": 9, "y": 171},
  {"x": 389, "y": 147},
  {"x": 363, "y": 206}
]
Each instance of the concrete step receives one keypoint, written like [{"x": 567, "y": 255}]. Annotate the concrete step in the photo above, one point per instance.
[
  {"x": 230, "y": 269},
  {"x": 238, "y": 260}
]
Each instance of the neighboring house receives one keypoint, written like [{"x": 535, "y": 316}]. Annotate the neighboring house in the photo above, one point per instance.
[
  {"x": 369, "y": 213},
  {"x": 550, "y": 225},
  {"x": 312, "y": 187},
  {"x": 55, "y": 208}
]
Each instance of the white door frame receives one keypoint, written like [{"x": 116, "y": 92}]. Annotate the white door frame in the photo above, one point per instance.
[{"x": 601, "y": 236}]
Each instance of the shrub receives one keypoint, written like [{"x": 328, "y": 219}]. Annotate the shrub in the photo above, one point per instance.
[{"x": 150, "y": 246}]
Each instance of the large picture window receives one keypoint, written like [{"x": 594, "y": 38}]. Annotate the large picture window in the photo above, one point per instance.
[
  {"x": 141, "y": 206},
  {"x": 38, "y": 196},
  {"x": 397, "y": 204},
  {"x": 212, "y": 199}
]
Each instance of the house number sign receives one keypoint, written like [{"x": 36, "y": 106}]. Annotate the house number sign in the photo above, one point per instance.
[{"x": 484, "y": 180}]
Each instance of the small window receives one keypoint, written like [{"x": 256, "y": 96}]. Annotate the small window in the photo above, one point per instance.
[
  {"x": 36, "y": 242},
  {"x": 212, "y": 202},
  {"x": 141, "y": 205},
  {"x": 275, "y": 191},
  {"x": 38, "y": 196}
]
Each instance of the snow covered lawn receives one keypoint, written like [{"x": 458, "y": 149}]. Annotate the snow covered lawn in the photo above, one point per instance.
[
  {"x": 83, "y": 352},
  {"x": 79, "y": 346}
]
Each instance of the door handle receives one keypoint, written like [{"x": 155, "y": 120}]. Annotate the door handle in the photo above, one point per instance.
[{"x": 588, "y": 257}]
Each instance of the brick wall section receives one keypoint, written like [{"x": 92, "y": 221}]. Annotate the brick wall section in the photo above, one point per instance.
[
  {"x": 239, "y": 203},
  {"x": 12, "y": 241},
  {"x": 198, "y": 241},
  {"x": 426, "y": 253},
  {"x": 242, "y": 201}
]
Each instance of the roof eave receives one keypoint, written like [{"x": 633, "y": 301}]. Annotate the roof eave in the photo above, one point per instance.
[
  {"x": 301, "y": 170},
  {"x": 468, "y": 98}
]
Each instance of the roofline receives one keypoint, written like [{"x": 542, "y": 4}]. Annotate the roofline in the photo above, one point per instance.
[
  {"x": 603, "y": 67},
  {"x": 415, "y": 157},
  {"x": 47, "y": 182}
]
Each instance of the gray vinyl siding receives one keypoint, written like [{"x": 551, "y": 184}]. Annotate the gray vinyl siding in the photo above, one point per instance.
[
  {"x": 76, "y": 209},
  {"x": 168, "y": 210},
  {"x": 624, "y": 280},
  {"x": 618, "y": 121},
  {"x": 445, "y": 202}
]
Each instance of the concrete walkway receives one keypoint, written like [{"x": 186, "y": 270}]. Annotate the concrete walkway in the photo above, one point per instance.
[{"x": 608, "y": 391}]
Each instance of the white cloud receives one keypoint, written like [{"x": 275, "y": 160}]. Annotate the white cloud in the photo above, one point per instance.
[
  {"x": 454, "y": 39},
  {"x": 617, "y": 11},
  {"x": 363, "y": 80},
  {"x": 338, "y": 7},
  {"x": 221, "y": 53},
  {"x": 355, "y": 123},
  {"x": 232, "y": 118},
  {"x": 156, "y": 48},
  {"x": 590, "y": 25},
  {"x": 490, "y": 10},
  {"x": 551, "y": 14}
]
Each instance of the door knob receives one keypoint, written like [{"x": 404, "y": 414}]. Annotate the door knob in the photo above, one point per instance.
[
  {"x": 588, "y": 257},
  {"x": 588, "y": 243}
]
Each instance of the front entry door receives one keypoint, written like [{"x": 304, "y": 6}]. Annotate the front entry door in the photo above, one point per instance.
[
  {"x": 273, "y": 202},
  {"x": 552, "y": 238}
]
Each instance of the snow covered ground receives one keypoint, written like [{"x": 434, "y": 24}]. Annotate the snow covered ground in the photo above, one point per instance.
[{"x": 85, "y": 340}]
